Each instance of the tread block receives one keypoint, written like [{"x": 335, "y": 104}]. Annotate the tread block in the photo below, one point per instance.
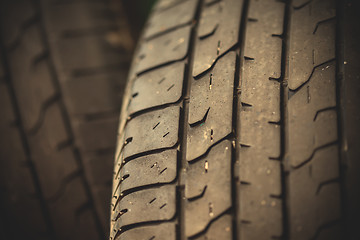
[
  {"x": 158, "y": 87},
  {"x": 155, "y": 204},
  {"x": 312, "y": 117},
  {"x": 311, "y": 186},
  {"x": 312, "y": 123},
  {"x": 154, "y": 130},
  {"x": 163, "y": 231},
  {"x": 89, "y": 133},
  {"x": 15, "y": 177},
  {"x": 210, "y": 108},
  {"x": 52, "y": 163},
  {"x": 79, "y": 55},
  {"x": 266, "y": 22},
  {"x": 99, "y": 167},
  {"x": 93, "y": 94},
  {"x": 177, "y": 15},
  {"x": 259, "y": 123},
  {"x": 33, "y": 83},
  {"x": 67, "y": 212},
  {"x": 13, "y": 153},
  {"x": 208, "y": 2},
  {"x": 311, "y": 42},
  {"x": 256, "y": 209},
  {"x": 299, "y": 3},
  {"x": 220, "y": 229},
  {"x": 208, "y": 188},
  {"x": 164, "y": 49},
  {"x": 218, "y": 31},
  {"x": 150, "y": 169},
  {"x": 93, "y": 16},
  {"x": 257, "y": 152},
  {"x": 20, "y": 14},
  {"x": 256, "y": 88},
  {"x": 165, "y": 4}
]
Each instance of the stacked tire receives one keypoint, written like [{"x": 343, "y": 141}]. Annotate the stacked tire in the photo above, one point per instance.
[{"x": 62, "y": 75}]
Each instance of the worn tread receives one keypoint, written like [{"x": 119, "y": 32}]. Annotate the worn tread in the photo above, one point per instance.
[{"x": 259, "y": 81}]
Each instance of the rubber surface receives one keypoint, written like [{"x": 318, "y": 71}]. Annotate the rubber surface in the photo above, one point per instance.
[
  {"x": 248, "y": 95},
  {"x": 60, "y": 93}
]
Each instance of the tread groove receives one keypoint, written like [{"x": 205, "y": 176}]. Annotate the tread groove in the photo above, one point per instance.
[
  {"x": 294, "y": 91},
  {"x": 44, "y": 108},
  {"x": 249, "y": 104},
  {"x": 323, "y": 227},
  {"x": 284, "y": 98},
  {"x": 25, "y": 141},
  {"x": 167, "y": 31},
  {"x": 66, "y": 120},
  {"x": 64, "y": 184},
  {"x": 321, "y": 22},
  {"x": 313, "y": 154},
  {"x": 182, "y": 162},
  {"x": 237, "y": 106},
  {"x": 228, "y": 211}
]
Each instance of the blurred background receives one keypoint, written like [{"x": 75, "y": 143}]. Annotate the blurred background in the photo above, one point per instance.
[{"x": 63, "y": 70}]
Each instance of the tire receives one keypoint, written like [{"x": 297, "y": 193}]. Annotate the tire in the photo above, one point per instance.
[
  {"x": 60, "y": 94},
  {"x": 238, "y": 122}
]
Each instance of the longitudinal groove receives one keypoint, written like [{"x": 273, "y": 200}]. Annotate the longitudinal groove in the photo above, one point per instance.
[
  {"x": 284, "y": 91},
  {"x": 237, "y": 104},
  {"x": 25, "y": 142},
  {"x": 67, "y": 124},
  {"x": 183, "y": 129}
]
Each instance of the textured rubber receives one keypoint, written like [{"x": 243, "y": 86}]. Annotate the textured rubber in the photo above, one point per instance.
[
  {"x": 230, "y": 124},
  {"x": 59, "y": 97}
]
